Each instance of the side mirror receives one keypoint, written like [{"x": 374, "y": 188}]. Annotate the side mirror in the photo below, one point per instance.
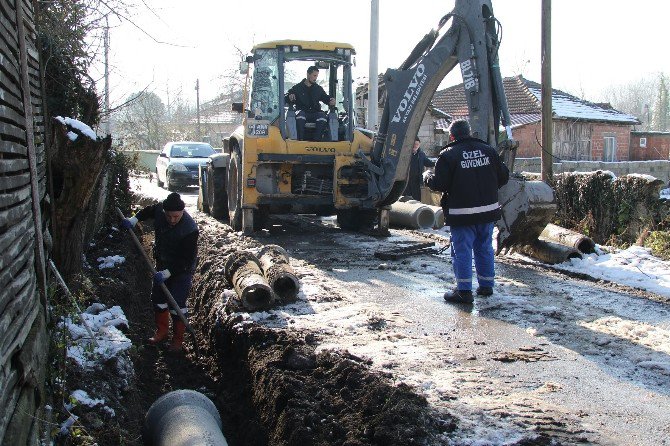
[
  {"x": 238, "y": 107},
  {"x": 244, "y": 67},
  {"x": 162, "y": 155}
]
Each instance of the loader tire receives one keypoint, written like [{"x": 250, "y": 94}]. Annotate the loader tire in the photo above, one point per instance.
[
  {"x": 234, "y": 189},
  {"x": 216, "y": 192},
  {"x": 356, "y": 219}
]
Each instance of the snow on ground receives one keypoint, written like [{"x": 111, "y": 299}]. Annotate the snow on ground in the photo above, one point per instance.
[{"x": 108, "y": 341}]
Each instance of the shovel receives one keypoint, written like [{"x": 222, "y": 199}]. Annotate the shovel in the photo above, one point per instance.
[{"x": 171, "y": 300}]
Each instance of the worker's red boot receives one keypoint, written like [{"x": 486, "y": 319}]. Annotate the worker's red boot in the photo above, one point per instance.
[
  {"x": 162, "y": 319},
  {"x": 178, "y": 329}
]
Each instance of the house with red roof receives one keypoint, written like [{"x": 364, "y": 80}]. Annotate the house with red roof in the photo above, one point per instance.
[{"x": 583, "y": 131}]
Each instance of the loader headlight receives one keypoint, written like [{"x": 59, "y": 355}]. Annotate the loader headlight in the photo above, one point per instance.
[
  {"x": 177, "y": 167},
  {"x": 344, "y": 51}
]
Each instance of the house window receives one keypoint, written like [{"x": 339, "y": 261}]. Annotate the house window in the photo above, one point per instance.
[
  {"x": 609, "y": 151},
  {"x": 643, "y": 142}
]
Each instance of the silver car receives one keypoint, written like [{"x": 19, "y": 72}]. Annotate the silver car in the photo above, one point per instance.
[{"x": 177, "y": 164}]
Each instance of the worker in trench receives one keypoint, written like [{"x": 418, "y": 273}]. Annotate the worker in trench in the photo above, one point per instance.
[
  {"x": 469, "y": 173},
  {"x": 175, "y": 252}
]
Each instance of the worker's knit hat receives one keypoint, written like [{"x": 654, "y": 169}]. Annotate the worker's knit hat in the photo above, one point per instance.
[{"x": 173, "y": 202}]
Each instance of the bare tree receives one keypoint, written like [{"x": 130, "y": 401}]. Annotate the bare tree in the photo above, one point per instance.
[
  {"x": 142, "y": 124},
  {"x": 636, "y": 98},
  {"x": 661, "y": 115}
]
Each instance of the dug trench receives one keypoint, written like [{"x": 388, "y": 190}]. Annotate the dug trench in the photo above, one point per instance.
[{"x": 271, "y": 386}]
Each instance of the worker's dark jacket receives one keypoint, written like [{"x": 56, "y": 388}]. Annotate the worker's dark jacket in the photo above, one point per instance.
[
  {"x": 307, "y": 98},
  {"x": 469, "y": 172},
  {"x": 417, "y": 163},
  {"x": 177, "y": 246}
]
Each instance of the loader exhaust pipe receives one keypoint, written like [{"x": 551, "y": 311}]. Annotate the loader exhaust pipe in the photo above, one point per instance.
[
  {"x": 183, "y": 417},
  {"x": 274, "y": 261},
  {"x": 243, "y": 270}
]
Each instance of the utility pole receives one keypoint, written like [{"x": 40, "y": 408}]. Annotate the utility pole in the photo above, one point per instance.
[
  {"x": 373, "y": 80},
  {"x": 197, "y": 105},
  {"x": 547, "y": 153},
  {"x": 107, "y": 113}
]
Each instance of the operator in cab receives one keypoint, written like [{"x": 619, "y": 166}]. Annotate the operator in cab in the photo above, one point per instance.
[{"x": 306, "y": 96}]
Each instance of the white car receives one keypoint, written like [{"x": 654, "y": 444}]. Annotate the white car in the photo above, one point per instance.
[{"x": 177, "y": 164}]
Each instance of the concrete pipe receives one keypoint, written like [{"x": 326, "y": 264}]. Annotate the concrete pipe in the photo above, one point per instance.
[
  {"x": 569, "y": 238},
  {"x": 183, "y": 417},
  {"x": 548, "y": 252},
  {"x": 412, "y": 214},
  {"x": 275, "y": 264},
  {"x": 242, "y": 269},
  {"x": 439, "y": 216}
]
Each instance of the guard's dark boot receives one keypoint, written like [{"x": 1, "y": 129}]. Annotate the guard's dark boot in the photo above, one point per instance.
[
  {"x": 178, "y": 329},
  {"x": 162, "y": 319},
  {"x": 459, "y": 297},
  {"x": 484, "y": 291}
]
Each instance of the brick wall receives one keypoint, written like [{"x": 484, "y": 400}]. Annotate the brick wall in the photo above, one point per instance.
[
  {"x": 528, "y": 137},
  {"x": 620, "y": 132},
  {"x": 657, "y": 147}
]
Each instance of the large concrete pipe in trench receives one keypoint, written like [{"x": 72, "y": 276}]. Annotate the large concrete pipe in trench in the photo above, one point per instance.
[
  {"x": 569, "y": 238},
  {"x": 548, "y": 252},
  {"x": 411, "y": 215},
  {"x": 243, "y": 270},
  {"x": 183, "y": 417},
  {"x": 275, "y": 264}
]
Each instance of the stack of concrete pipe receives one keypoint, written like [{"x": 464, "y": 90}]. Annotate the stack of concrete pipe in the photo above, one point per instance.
[
  {"x": 260, "y": 282},
  {"x": 183, "y": 417},
  {"x": 415, "y": 214},
  {"x": 557, "y": 245}
]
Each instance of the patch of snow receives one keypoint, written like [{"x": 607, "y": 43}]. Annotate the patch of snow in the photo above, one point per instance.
[
  {"x": 110, "y": 261},
  {"x": 83, "y": 128}
]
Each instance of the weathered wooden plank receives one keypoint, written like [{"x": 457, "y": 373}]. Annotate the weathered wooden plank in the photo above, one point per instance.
[
  {"x": 7, "y": 8},
  {"x": 13, "y": 147},
  {"x": 10, "y": 92},
  {"x": 12, "y": 293},
  {"x": 13, "y": 131},
  {"x": 23, "y": 321},
  {"x": 7, "y": 59},
  {"x": 9, "y": 42},
  {"x": 14, "y": 214},
  {"x": 21, "y": 261},
  {"x": 14, "y": 235},
  {"x": 15, "y": 181},
  {"x": 11, "y": 114},
  {"x": 9, "y": 76},
  {"x": 15, "y": 196},
  {"x": 13, "y": 165}
]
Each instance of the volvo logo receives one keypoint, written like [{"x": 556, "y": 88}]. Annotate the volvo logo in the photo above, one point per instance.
[
  {"x": 321, "y": 149},
  {"x": 411, "y": 93}
]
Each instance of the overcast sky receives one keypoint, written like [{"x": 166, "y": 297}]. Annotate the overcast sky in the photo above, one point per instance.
[{"x": 595, "y": 43}]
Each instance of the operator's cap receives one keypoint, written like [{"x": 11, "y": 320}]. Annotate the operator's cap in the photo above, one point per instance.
[{"x": 173, "y": 202}]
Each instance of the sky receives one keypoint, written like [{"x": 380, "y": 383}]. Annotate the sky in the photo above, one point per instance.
[{"x": 170, "y": 43}]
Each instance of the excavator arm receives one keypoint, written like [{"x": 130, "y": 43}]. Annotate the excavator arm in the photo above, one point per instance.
[{"x": 471, "y": 42}]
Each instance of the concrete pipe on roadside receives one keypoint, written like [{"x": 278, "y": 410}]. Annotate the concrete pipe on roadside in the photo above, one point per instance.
[
  {"x": 439, "y": 216},
  {"x": 548, "y": 252},
  {"x": 277, "y": 269},
  {"x": 569, "y": 238},
  {"x": 183, "y": 417},
  {"x": 243, "y": 270},
  {"x": 412, "y": 214}
]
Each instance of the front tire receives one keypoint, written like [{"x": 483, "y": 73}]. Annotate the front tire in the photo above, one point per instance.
[
  {"x": 216, "y": 192},
  {"x": 356, "y": 219},
  {"x": 234, "y": 190}
]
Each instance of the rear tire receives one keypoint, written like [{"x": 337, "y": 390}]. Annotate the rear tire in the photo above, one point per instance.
[
  {"x": 234, "y": 190},
  {"x": 168, "y": 184},
  {"x": 356, "y": 219},
  {"x": 216, "y": 192},
  {"x": 159, "y": 183},
  {"x": 203, "y": 205}
]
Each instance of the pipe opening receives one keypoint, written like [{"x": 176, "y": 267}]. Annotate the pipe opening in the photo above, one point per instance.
[
  {"x": 285, "y": 287},
  {"x": 425, "y": 218},
  {"x": 587, "y": 246},
  {"x": 258, "y": 297}
]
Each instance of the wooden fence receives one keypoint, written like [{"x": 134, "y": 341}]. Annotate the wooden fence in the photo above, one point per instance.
[{"x": 23, "y": 338}]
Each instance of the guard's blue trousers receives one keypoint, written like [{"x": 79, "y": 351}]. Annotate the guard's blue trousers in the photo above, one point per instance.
[{"x": 466, "y": 240}]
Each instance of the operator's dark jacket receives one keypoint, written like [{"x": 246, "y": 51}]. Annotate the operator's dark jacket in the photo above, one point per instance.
[
  {"x": 469, "y": 172},
  {"x": 307, "y": 98},
  {"x": 418, "y": 161},
  {"x": 177, "y": 246}
]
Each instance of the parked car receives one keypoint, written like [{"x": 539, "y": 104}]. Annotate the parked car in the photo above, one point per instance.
[{"x": 177, "y": 164}]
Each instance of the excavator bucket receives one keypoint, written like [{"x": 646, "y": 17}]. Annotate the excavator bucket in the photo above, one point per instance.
[{"x": 527, "y": 208}]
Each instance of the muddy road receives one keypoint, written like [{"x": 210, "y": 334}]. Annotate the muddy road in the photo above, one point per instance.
[{"x": 549, "y": 356}]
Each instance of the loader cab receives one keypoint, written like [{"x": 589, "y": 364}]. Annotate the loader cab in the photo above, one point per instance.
[{"x": 277, "y": 66}]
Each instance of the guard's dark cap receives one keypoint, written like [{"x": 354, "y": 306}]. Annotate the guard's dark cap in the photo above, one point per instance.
[{"x": 173, "y": 202}]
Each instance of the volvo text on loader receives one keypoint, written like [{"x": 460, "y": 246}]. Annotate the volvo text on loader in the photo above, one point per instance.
[{"x": 264, "y": 169}]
